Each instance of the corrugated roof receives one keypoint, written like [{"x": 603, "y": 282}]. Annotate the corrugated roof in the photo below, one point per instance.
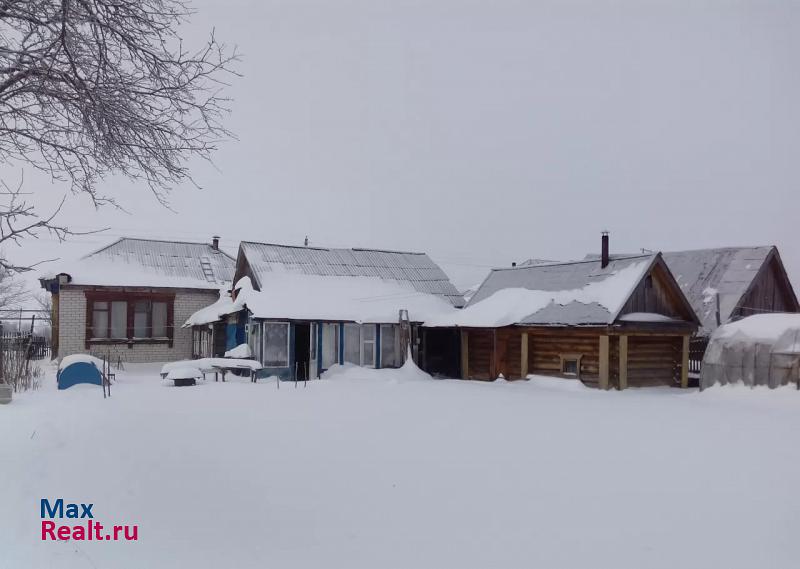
[
  {"x": 728, "y": 271},
  {"x": 147, "y": 262},
  {"x": 559, "y": 278},
  {"x": 417, "y": 269}
]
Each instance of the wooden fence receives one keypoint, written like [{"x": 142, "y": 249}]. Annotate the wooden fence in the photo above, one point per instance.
[{"x": 697, "y": 349}]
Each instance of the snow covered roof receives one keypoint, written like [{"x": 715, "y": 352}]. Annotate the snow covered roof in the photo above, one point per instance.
[
  {"x": 704, "y": 273},
  {"x": 575, "y": 293},
  {"x": 294, "y": 296},
  {"x": 415, "y": 270},
  {"x": 148, "y": 262}
]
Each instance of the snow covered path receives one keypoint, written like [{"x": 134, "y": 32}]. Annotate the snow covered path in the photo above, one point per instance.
[{"x": 389, "y": 471}]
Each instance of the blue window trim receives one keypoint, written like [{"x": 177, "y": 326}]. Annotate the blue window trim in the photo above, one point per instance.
[
  {"x": 378, "y": 362},
  {"x": 319, "y": 348}
]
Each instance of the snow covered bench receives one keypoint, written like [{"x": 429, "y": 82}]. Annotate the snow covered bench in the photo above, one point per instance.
[{"x": 217, "y": 366}]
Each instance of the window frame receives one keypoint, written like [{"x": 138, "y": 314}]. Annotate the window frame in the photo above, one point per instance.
[
  {"x": 395, "y": 345},
  {"x": 564, "y": 358},
  {"x": 373, "y": 341},
  {"x": 337, "y": 339},
  {"x": 130, "y": 298}
]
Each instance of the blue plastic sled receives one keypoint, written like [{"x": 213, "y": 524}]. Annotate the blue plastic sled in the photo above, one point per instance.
[{"x": 79, "y": 372}]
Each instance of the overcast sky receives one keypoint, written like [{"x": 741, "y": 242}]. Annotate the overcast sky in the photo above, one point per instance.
[{"x": 486, "y": 132}]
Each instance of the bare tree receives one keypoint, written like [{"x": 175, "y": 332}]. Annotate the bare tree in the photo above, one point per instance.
[
  {"x": 96, "y": 87},
  {"x": 14, "y": 292}
]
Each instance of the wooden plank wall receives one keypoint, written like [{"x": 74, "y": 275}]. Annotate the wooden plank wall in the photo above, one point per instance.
[
  {"x": 768, "y": 294},
  {"x": 509, "y": 352},
  {"x": 654, "y": 360},
  {"x": 654, "y": 295},
  {"x": 480, "y": 357}
]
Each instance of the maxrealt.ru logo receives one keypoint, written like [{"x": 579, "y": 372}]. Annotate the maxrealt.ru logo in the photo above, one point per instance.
[{"x": 87, "y": 530}]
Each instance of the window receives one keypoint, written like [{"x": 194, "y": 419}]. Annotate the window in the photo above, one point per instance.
[
  {"x": 100, "y": 320},
  {"x": 128, "y": 316},
  {"x": 141, "y": 310},
  {"x": 149, "y": 319},
  {"x": 359, "y": 344},
  {"x": 159, "y": 319},
  {"x": 330, "y": 345},
  {"x": 352, "y": 344},
  {"x": 202, "y": 342},
  {"x": 390, "y": 345},
  {"x": 276, "y": 344},
  {"x": 109, "y": 320},
  {"x": 254, "y": 339},
  {"x": 119, "y": 319},
  {"x": 368, "y": 345},
  {"x": 571, "y": 364}
]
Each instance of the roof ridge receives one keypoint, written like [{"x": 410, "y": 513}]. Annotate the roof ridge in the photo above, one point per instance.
[
  {"x": 149, "y": 240},
  {"x": 580, "y": 262},
  {"x": 335, "y": 248},
  {"x": 721, "y": 249}
]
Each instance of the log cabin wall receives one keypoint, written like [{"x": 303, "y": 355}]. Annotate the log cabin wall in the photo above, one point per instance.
[
  {"x": 547, "y": 345},
  {"x": 654, "y": 360},
  {"x": 509, "y": 352}
]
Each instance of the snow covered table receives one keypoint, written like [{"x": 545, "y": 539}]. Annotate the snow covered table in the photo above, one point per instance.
[
  {"x": 217, "y": 366},
  {"x": 184, "y": 376}
]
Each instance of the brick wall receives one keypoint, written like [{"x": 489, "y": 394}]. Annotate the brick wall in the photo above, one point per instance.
[{"x": 72, "y": 328}]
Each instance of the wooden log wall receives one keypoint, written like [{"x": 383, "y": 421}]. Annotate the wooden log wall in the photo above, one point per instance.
[
  {"x": 654, "y": 360},
  {"x": 509, "y": 352},
  {"x": 545, "y": 347}
]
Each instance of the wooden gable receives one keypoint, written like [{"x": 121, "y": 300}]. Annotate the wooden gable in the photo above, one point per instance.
[
  {"x": 769, "y": 291},
  {"x": 659, "y": 293},
  {"x": 243, "y": 269}
]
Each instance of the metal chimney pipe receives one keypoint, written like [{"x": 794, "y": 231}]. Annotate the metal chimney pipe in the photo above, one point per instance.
[
  {"x": 215, "y": 242},
  {"x": 604, "y": 257}
]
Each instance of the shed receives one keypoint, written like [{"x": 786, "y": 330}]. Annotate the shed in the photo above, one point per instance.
[{"x": 621, "y": 321}]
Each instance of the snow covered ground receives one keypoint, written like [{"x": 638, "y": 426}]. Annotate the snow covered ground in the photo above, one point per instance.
[{"x": 388, "y": 469}]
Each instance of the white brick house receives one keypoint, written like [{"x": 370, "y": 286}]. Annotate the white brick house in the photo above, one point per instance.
[{"x": 130, "y": 299}]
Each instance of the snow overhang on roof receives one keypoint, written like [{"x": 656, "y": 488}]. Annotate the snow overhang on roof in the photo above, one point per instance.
[
  {"x": 416, "y": 271},
  {"x": 580, "y": 293},
  {"x": 318, "y": 298},
  {"x": 150, "y": 263}
]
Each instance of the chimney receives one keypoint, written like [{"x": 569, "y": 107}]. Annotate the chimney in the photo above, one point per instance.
[
  {"x": 604, "y": 250},
  {"x": 215, "y": 242}
]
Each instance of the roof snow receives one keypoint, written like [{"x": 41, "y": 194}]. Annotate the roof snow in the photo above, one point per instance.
[
  {"x": 147, "y": 262},
  {"x": 759, "y": 327},
  {"x": 575, "y": 293},
  {"x": 400, "y": 269},
  {"x": 313, "y": 297}
]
